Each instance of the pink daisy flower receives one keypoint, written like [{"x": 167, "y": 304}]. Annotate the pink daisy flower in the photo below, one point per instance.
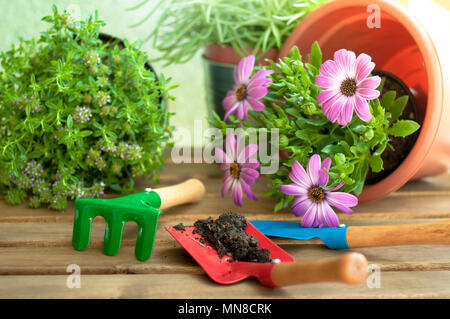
[
  {"x": 313, "y": 200},
  {"x": 346, "y": 87},
  {"x": 240, "y": 170},
  {"x": 247, "y": 90}
]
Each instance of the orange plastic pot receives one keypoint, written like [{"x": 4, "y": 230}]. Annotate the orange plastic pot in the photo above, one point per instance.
[{"x": 412, "y": 41}]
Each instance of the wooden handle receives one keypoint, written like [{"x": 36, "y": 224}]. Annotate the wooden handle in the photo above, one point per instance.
[
  {"x": 350, "y": 268},
  {"x": 190, "y": 191},
  {"x": 390, "y": 235}
]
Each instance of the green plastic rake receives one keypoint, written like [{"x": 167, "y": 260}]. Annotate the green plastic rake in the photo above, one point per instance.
[{"x": 143, "y": 208}]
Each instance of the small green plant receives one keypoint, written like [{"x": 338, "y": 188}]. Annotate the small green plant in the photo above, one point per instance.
[
  {"x": 304, "y": 130},
  {"x": 186, "y": 26},
  {"x": 78, "y": 115}
]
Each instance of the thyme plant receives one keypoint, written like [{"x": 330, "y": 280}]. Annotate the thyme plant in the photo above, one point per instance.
[{"x": 78, "y": 115}]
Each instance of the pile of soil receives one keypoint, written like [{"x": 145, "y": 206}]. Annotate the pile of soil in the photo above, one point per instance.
[
  {"x": 392, "y": 158},
  {"x": 226, "y": 235}
]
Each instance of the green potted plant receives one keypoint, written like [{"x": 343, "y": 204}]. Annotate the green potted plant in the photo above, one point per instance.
[
  {"x": 227, "y": 30},
  {"x": 80, "y": 113},
  {"x": 334, "y": 119},
  {"x": 410, "y": 44}
]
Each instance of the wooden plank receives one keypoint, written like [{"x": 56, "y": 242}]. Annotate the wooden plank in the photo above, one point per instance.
[
  {"x": 426, "y": 284},
  {"x": 60, "y": 234},
  {"x": 392, "y": 207},
  {"x": 428, "y": 198},
  {"x": 173, "y": 259}
]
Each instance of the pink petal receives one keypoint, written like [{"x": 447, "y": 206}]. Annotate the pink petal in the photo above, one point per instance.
[
  {"x": 229, "y": 101},
  {"x": 249, "y": 175},
  {"x": 310, "y": 216},
  {"x": 314, "y": 168},
  {"x": 327, "y": 95},
  {"x": 301, "y": 205},
  {"x": 368, "y": 94},
  {"x": 257, "y": 92},
  {"x": 228, "y": 180},
  {"x": 362, "y": 109},
  {"x": 240, "y": 113},
  {"x": 330, "y": 68},
  {"x": 299, "y": 176},
  {"x": 230, "y": 144},
  {"x": 342, "y": 201},
  {"x": 232, "y": 109},
  {"x": 260, "y": 78},
  {"x": 335, "y": 187},
  {"x": 236, "y": 190},
  {"x": 327, "y": 82},
  {"x": 293, "y": 189},
  {"x": 248, "y": 151},
  {"x": 347, "y": 111},
  {"x": 329, "y": 215},
  {"x": 245, "y": 69},
  {"x": 255, "y": 104},
  {"x": 248, "y": 191},
  {"x": 363, "y": 67},
  {"x": 250, "y": 165},
  {"x": 323, "y": 175},
  {"x": 221, "y": 156},
  {"x": 346, "y": 62},
  {"x": 335, "y": 109},
  {"x": 370, "y": 83}
]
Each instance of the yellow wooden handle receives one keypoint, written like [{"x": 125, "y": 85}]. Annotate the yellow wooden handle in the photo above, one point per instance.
[
  {"x": 190, "y": 191},
  {"x": 437, "y": 233},
  {"x": 350, "y": 268}
]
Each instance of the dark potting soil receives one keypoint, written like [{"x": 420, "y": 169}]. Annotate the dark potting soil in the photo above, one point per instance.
[
  {"x": 226, "y": 235},
  {"x": 401, "y": 146}
]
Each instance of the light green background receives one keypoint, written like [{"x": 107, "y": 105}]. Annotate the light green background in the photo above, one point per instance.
[{"x": 22, "y": 18}]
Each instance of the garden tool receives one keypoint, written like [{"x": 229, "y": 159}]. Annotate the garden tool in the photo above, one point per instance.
[
  {"x": 343, "y": 237},
  {"x": 143, "y": 208},
  {"x": 350, "y": 268}
]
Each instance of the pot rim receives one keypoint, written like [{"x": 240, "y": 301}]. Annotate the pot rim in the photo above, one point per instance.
[
  {"x": 227, "y": 55},
  {"x": 429, "y": 128}
]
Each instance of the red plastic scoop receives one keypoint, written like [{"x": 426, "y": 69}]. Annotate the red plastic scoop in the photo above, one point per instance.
[{"x": 284, "y": 271}]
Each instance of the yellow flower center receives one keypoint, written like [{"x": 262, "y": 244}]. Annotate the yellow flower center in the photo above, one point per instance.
[
  {"x": 316, "y": 194},
  {"x": 348, "y": 87},
  {"x": 235, "y": 170},
  {"x": 241, "y": 92}
]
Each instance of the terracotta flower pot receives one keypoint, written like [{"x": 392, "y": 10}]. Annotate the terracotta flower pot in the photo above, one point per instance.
[
  {"x": 219, "y": 65},
  {"x": 417, "y": 52}
]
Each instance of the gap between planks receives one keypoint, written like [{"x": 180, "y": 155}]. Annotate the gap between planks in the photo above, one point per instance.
[{"x": 175, "y": 260}]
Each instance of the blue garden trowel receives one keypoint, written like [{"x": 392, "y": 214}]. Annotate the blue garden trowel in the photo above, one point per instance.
[{"x": 343, "y": 237}]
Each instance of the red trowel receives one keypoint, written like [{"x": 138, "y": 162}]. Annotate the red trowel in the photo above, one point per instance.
[{"x": 350, "y": 268}]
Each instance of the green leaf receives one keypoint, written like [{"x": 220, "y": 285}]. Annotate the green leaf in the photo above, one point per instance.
[
  {"x": 316, "y": 55},
  {"x": 397, "y": 107},
  {"x": 376, "y": 163},
  {"x": 69, "y": 121},
  {"x": 387, "y": 99},
  {"x": 403, "y": 128}
]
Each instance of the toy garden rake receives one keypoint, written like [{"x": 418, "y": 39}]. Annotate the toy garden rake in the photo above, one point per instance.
[{"x": 143, "y": 208}]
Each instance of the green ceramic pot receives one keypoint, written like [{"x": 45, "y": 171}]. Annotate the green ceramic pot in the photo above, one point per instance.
[{"x": 218, "y": 81}]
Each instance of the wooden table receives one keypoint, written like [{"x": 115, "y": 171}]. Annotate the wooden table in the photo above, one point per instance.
[{"x": 35, "y": 250}]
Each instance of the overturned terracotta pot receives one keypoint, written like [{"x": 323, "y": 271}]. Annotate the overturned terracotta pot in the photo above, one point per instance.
[{"x": 410, "y": 41}]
